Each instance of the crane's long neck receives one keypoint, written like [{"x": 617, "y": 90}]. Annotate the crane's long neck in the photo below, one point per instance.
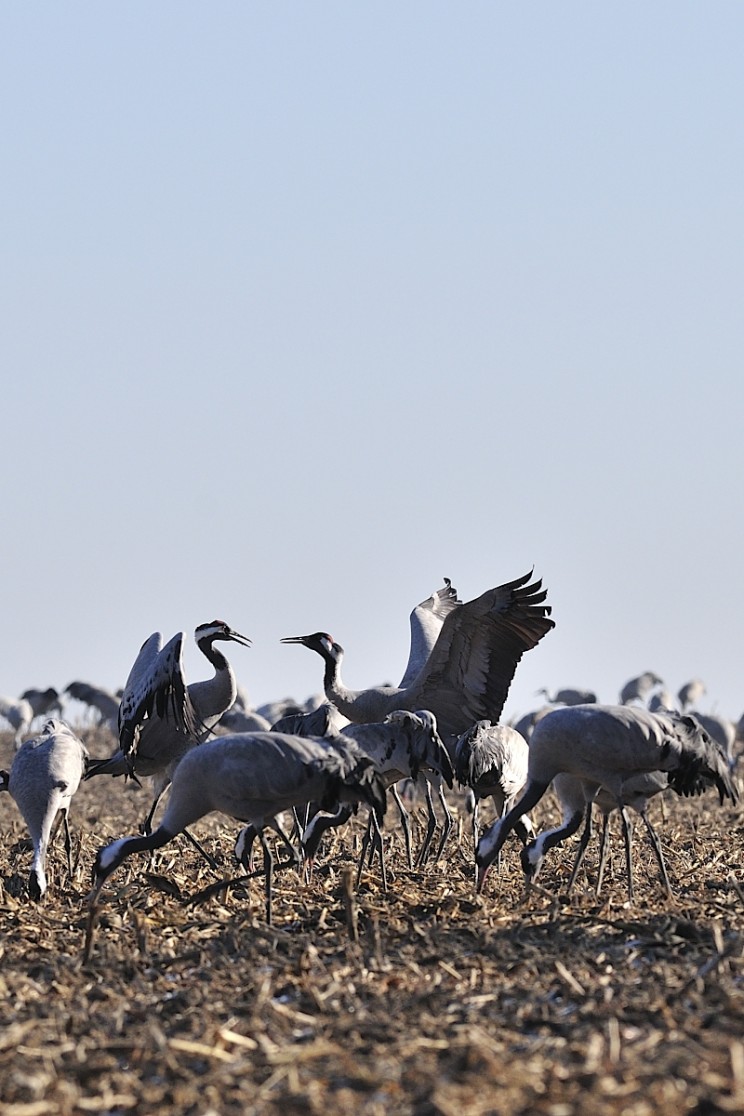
[
  {"x": 214, "y": 696},
  {"x": 340, "y": 695}
]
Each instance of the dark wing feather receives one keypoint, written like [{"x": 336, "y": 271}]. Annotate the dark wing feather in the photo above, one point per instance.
[{"x": 156, "y": 685}]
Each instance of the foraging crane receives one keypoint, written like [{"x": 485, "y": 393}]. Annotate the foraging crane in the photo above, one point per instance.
[
  {"x": 467, "y": 674},
  {"x": 253, "y": 777},
  {"x": 690, "y": 694},
  {"x": 492, "y": 761},
  {"x": 607, "y": 745},
  {"x": 160, "y": 717},
  {"x": 569, "y": 697},
  {"x": 405, "y": 745},
  {"x": 638, "y": 689},
  {"x": 45, "y": 774},
  {"x": 576, "y": 797},
  {"x": 19, "y": 714}
]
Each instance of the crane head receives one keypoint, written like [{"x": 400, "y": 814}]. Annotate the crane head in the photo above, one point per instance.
[
  {"x": 218, "y": 629},
  {"x": 320, "y": 642}
]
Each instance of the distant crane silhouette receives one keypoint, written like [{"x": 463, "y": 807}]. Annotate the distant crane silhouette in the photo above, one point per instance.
[
  {"x": 607, "y": 745},
  {"x": 638, "y": 689},
  {"x": 569, "y": 697},
  {"x": 19, "y": 714},
  {"x": 45, "y": 774},
  {"x": 467, "y": 674},
  {"x": 103, "y": 701},
  {"x": 690, "y": 694}
]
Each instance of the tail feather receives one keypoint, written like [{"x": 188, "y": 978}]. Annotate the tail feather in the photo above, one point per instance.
[{"x": 702, "y": 764}]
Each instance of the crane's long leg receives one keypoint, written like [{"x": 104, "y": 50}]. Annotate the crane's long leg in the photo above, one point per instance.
[
  {"x": 448, "y": 822},
  {"x": 603, "y": 848},
  {"x": 580, "y": 852},
  {"x": 430, "y": 827},
  {"x": 200, "y": 848},
  {"x": 404, "y": 822},
  {"x": 68, "y": 842},
  {"x": 268, "y": 867},
  {"x": 656, "y": 843},
  {"x": 294, "y": 858},
  {"x": 627, "y": 834},
  {"x": 373, "y": 842}
]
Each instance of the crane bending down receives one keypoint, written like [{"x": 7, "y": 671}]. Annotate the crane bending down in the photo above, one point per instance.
[
  {"x": 577, "y": 796},
  {"x": 404, "y": 746},
  {"x": 45, "y": 774},
  {"x": 160, "y": 717},
  {"x": 608, "y": 745},
  {"x": 467, "y": 674},
  {"x": 492, "y": 761},
  {"x": 253, "y": 777}
]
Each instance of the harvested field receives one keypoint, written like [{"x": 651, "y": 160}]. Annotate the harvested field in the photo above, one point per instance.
[{"x": 425, "y": 1000}]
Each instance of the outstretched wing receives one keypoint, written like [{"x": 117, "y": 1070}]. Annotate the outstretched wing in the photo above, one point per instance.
[
  {"x": 155, "y": 685},
  {"x": 471, "y": 667},
  {"x": 426, "y": 623}
]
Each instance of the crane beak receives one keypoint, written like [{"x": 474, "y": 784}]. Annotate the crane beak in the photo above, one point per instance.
[
  {"x": 295, "y": 639},
  {"x": 236, "y": 637}
]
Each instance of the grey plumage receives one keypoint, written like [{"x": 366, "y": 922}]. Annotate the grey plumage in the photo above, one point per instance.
[
  {"x": 425, "y": 622},
  {"x": 467, "y": 674},
  {"x": 492, "y": 761},
  {"x": 607, "y": 745},
  {"x": 253, "y": 777},
  {"x": 406, "y": 745},
  {"x": 45, "y": 774}
]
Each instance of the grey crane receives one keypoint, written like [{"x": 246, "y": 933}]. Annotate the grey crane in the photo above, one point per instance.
[
  {"x": 576, "y": 797},
  {"x": 638, "y": 689},
  {"x": 691, "y": 693},
  {"x": 253, "y": 777},
  {"x": 492, "y": 761},
  {"x": 569, "y": 697},
  {"x": 19, "y": 714},
  {"x": 160, "y": 717},
  {"x": 102, "y": 700},
  {"x": 607, "y": 745},
  {"x": 405, "y": 745},
  {"x": 467, "y": 674},
  {"x": 45, "y": 774},
  {"x": 45, "y": 703}
]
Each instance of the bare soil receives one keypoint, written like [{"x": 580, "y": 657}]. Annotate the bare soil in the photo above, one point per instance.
[{"x": 426, "y": 999}]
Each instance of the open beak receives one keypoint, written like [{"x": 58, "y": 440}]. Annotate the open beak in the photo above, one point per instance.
[{"x": 236, "y": 637}]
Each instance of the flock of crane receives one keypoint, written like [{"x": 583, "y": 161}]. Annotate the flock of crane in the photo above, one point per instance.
[{"x": 440, "y": 725}]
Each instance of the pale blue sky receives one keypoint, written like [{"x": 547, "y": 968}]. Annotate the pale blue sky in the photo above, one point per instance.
[{"x": 309, "y": 305}]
